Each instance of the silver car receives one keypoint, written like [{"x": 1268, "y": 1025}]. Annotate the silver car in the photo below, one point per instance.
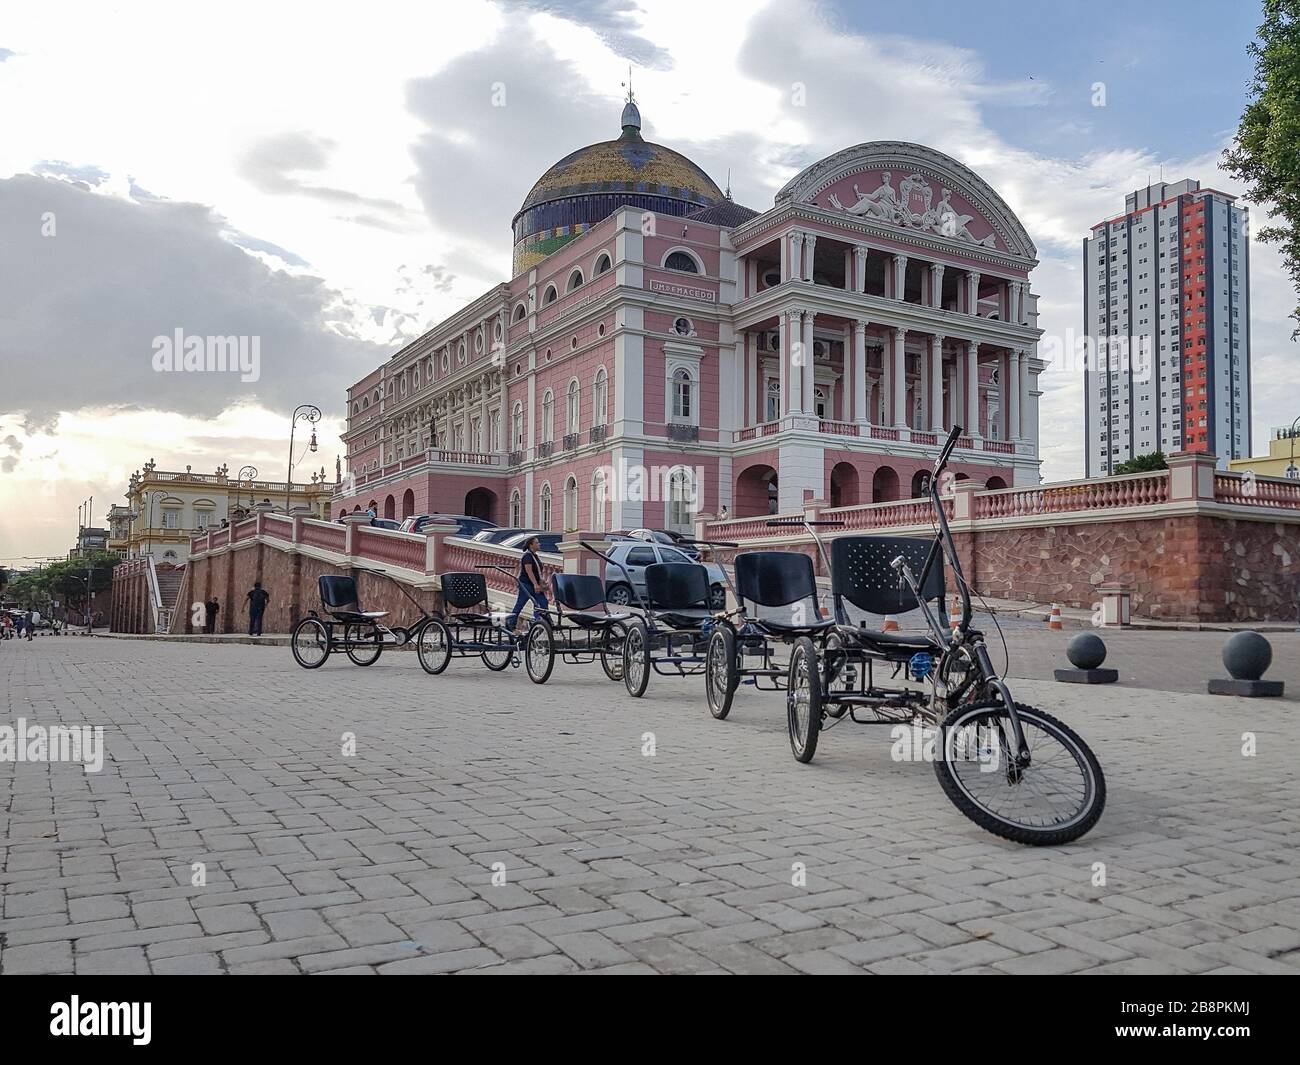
[{"x": 635, "y": 556}]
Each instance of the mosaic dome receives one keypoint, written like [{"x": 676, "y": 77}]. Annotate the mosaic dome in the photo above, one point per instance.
[{"x": 587, "y": 186}]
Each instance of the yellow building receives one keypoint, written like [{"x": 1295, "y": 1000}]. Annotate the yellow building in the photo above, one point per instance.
[
  {"x": 1283, "y": 454},
  {"x": 165, "y": 509}
]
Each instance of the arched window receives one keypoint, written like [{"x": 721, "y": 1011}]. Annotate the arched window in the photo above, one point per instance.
[
  {"x": 548, "y": 416},
  {"x": 570, "y": 503},
  {"x": 551, "y": 295},
  {"x": 520, "y": 312},
  {"x": 575, "y": 281},
  {"x": 516, "y": 509},
  {"x": 494, "y": 431},
  {"x": 680, "y": 260},
  {"x": 517, "y": 426},
  {"x": 603, "y": 264},
  {"x": 598, "y": 497},
  {"x": 546, "y": 507},
  {"x": 681, "y": 500},
  {"x": 772, "y": 411},
  {"x": 599, "y": 397},
  {"x": 573, "y": 405},
  {"x": 683, "y": 395}
]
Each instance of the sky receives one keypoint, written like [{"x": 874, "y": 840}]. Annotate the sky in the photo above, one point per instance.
[{"x": 336, "y": 179}]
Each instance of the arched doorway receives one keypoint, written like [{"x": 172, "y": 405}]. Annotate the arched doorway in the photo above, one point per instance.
[
  {"x": 408, "y": 503},
  {"x": 844, "y": 485},
  {"x": 481, "y": 503},
  {"x": 390, "y": 507},
  {"x": 756, "y": 492},
  {"x": 995, "y": 483},
  {"x": 884, "y": 485},
  {"x": 920, "y": 483}
]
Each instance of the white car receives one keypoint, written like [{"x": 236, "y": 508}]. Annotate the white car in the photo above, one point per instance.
[{"x": 635, "y": 556}]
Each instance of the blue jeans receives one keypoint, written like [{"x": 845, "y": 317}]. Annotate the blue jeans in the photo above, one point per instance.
[{"x": 539, "y": 602}]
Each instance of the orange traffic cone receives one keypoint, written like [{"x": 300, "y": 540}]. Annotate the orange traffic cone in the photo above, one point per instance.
[
  {"x": 1054, "y": 621},
  {"x": 890, "y": 624}
]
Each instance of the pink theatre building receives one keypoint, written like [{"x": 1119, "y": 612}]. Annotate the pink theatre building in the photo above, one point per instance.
[{"x": 662, "y": 351}]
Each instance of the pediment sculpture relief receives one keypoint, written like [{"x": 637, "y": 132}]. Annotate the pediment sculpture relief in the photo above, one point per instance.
[{"x": 912, "y": 207}]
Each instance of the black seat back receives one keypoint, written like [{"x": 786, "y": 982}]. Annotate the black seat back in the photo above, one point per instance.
[
  {"x": 862, "y": 574},
  {"x": 676, "y": 586},
  {"x": 462, "y": 590},
  {"x": 337, "y": 591},
  {"x": 775, "y": 578},
  {"x": 578, "y": 591}
]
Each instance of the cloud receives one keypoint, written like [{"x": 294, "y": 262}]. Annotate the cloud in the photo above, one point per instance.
[
  {"x": 79, "y": 310},
  {"x": 615, "y": 22},
  {"x": 272, "y": 163},
  {"x": 5, "y": 53}
]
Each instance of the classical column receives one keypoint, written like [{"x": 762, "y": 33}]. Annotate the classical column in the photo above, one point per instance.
[
  {"x": 860, "y": 409},
  {"x": 936, "y": 382},
  {"x": 809, "y": 250},
  {"x": 953, "y": 405},
  {"x": 900, "y": 276},
  {"x": 972, "y": 292},
  {"x": 1016, "y": 367},
  {"x": 859, "y": 269},
  {"x": 1028, "y": 427},
  {"x": 807, "y": 372},
  {"x": 785, "y": 333},
  {"x": 973, "y": 389},
  {"x": 936, "y": 285},
  {"x": 794, "y": 259},
  {"x": 899, "y": 378}
]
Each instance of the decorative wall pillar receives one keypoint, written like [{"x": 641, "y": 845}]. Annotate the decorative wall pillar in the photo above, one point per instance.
[
  {"x": 860, "y": 409},
  {"x": 1016, "y": 365},
  {"x": 859, "y": 269},
  {"x": 936, "y": 382},
  {"x": 785, "y": 333},
  {"x": 806, "y": 368},
  {"x": 972, "y": 292},
  {"x": 809, "y": 256},
  {"x": 973, "y": 389},
  {"x": 953, "y": 404},
  {"x": 900, "y": 276},
  {"x": 936, "y": 285},
  {"x": 898, "y": 376}
]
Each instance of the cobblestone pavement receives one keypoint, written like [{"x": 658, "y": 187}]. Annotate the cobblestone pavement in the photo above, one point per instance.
[{"x": 612, "y": 860}]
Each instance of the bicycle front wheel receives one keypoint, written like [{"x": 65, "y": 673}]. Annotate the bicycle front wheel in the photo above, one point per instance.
[{"x": 1057, "y": 798}]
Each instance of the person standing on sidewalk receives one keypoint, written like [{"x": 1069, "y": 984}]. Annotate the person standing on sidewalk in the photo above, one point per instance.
[
  {"x": 257, "y": 600},
  {"x": 210, "y": 610},
  {"x": 530, "y": 584}
]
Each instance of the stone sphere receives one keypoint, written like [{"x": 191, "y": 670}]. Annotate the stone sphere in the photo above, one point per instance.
[
  {"x": 1247, "y": 655},
  {"x": 1086, "y": 651}
]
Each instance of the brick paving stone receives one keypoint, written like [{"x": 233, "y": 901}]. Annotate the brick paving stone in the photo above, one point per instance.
[{"x": 614, "y": 863}]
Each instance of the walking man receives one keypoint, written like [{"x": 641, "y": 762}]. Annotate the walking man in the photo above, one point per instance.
[
  {"x": 257, "y": 600},
  {"x": 530, "y": 583},
  {"x": 210, "y": 610}
]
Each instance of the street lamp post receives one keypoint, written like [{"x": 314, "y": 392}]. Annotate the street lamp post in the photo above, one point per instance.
[
  {"x": 1291, "y": 470},
  {"x": 248, "y": 473},
  {"x": 309, "y": 413}
]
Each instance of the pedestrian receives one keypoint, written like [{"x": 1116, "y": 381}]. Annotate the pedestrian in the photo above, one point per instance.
[
  {"x": 29, "y": 625},
  {"x": 371, "y": 512},
  {"x": 210, "y": 610},
  {"x": 18, "y": 626},
  {"x": 257, "y": 600},
  {"x": 530, "y": 583}
]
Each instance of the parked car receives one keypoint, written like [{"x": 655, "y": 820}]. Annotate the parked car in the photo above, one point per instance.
[
  {"x": 465, "y": 525},
  {"x": 550, "y": 540},
  {"x": 636, "y": 555},
  {"x": 496, "y": 536},
  {"x": 668, "y": 538},
  {"x": 385, "y": 523}
]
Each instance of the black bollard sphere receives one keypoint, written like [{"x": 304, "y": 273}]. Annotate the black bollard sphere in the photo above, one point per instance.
[
  {"x": 1247, "y": 655},
  {"x": 1086, "y": 651}
]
